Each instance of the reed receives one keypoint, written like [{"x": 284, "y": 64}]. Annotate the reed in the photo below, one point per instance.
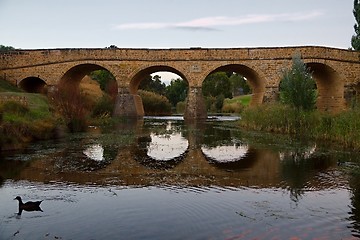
[{"x": 342, "y": 129}]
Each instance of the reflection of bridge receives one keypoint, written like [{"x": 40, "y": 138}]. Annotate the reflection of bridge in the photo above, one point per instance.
[
  {"x": 336, "y": 71},
  {"x": 133, "y": 165}
]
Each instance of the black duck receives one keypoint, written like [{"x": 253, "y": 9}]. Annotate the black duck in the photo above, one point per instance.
[{"x": 28, "y": 206}]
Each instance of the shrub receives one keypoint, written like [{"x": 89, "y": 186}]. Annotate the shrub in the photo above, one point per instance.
[
  {"x": 234, "y": 107},
  {"x": 180, "y": 107},
  {"x": 72, "y": 106},
  {"x": 219, "y": 102},
  {"x": 103, "y": 107},
  {"x": 155, "y": 104},
  {"x": 297, "y": 87}
]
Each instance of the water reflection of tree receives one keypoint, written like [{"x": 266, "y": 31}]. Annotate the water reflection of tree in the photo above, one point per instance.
[
  {"x": 11, "y": 169},
  {"x": 298, "y": 168},
  {"x": 213, "y": 137}
]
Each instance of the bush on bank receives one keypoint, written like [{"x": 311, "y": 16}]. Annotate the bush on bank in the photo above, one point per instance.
[{"x": 155, "y": 104}]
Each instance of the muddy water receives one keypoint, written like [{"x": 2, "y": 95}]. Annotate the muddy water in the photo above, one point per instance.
[{"x": 160, "y": 178}]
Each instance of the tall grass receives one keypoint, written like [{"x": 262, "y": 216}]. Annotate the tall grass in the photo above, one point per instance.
[
  {"x": 342, "y": 128},
  {"x": 21, "y": 123}
]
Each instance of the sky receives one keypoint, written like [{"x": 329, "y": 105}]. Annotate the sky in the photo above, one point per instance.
[{"x": 42, "y": 24}]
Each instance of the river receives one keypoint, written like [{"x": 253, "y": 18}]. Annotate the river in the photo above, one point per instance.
[{"x": 161, "y": 178}]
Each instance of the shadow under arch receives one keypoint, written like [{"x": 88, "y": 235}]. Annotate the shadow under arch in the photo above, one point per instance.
[
  {"x": 256, "y": 84},
  {"x": 329, "y": 86},
  {"x": 32, "y": 85},
  {"x": 141, "y": 74}
]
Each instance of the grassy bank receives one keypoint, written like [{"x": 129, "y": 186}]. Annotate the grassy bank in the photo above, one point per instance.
[
  {"x": 24, "y": 117},
  {"x": 236, "y": 104},
  {"x": 341, "y": 129}
]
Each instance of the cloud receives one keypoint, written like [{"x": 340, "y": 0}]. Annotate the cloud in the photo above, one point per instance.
[{"x": 212, "y": 23}]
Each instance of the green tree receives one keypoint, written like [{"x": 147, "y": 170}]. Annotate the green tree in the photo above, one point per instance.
[
  {"x": 153, "y": 84},
  {"x": 355, "y": 40},
  {"x": 106, "y": 81},
  {"x": 239, "y": 82},
  {"x": 216, "y": 84},
  {"x": 6, "y": 48},
  {"x": 177, "y": 91},
  {"x": 103, "y": 77},
  {"x": 297, "y": 87}
]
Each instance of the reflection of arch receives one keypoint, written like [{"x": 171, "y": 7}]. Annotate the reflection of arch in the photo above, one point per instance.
[
  {"x": 75, "y": 74},
  {"x": 244, "y": 160},
  {"x": 32, "y": 85},
  {"x": 141, "y": 74},
  {"x": 329, "y": 85},
  {"x": 140, "y": 153},
  {"x": 256, "y": 84}
]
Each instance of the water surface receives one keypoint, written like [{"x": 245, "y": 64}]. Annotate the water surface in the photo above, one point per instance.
[{"x": 161, "y": 178}]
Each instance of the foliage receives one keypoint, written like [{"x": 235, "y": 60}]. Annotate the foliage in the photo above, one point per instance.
[
  {"x": 6, "y": 48},
  {"x": 355, "y": 40},
  {"x": 104, "y": 107},
  {"x": 216, "y": 84},
  {"x": 153, "y": 84},
  {"x": 216, "y": 87},
  {"x": 105, "y": 79},
  {"x": 234, "y": 107},
  {"x": 72, "y": 106},
  {"x": 155, "y": 104},
  {"x": 180, "y": 107},
  {"x": 239, "y": 84},
  {"x": 176, "y": 91},
  {"x": 219, "y": 102},
  {"x": 297, "y": 87}
]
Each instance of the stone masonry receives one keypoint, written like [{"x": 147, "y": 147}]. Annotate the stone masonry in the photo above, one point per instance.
[{"x": 336, "y": 71}]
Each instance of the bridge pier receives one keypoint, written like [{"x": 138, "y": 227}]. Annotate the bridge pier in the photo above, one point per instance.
[
  {"x": 195, "y": 105},
  {"x": 128, "y": 105},
  {"x": 271, "y": 94},
  {"x": 351, "y": 93}
]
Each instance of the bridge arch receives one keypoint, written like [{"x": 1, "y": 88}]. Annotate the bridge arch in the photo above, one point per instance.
[
  {"x": 140, "y": 74},
  {"x": 76, "y": 73},
  {"x": 255, "y": 82},
  {"x": 330, "y": 87},
  {"x": 32, "y": 85}
]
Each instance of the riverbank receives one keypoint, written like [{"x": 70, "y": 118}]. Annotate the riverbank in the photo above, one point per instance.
[
  {"x": 340, "y": 129},
  {"x": 25, "y": 117}
]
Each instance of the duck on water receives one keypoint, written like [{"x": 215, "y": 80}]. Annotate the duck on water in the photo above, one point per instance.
[{"x": 28, "y": 206}]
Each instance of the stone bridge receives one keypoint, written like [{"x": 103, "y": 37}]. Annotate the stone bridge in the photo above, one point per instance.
[{"x": 336, "y": 71}]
